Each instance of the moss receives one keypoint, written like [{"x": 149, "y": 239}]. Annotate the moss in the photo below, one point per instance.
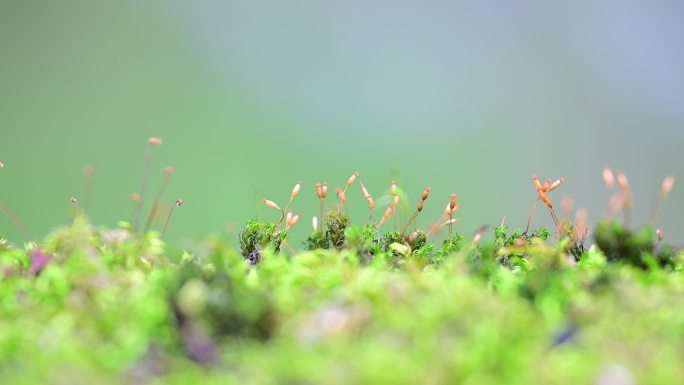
[
  {"x": 257, "y": 236},
  {"x": 336, "y": 222},
  {"x": 316, "y": 241}
]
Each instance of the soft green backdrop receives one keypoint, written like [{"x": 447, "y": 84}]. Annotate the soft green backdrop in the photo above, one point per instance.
[{"x": 250, "y": 97}]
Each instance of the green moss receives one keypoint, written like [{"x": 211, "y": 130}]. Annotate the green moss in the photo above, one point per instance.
[
  {"x": 316, "y": 241},
  {"x": 336, "y": 222},
  {"x": 114, "y": 306},
  {"x": 632, "y": 247},
  {"x": 257, "y": 236}
]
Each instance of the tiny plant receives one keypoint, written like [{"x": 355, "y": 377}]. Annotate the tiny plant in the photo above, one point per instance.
[
  {"x": 542, "y": 191},
  {"x": 88, "y": 172},
  {"x": 369, "y": 199},
  {"x": 321, "y": 192},
  {"x": 179, "y": 202},
  {"x": 168, "y": 171},
  {"x": 423, "y": 197},
  {"x": 77, "y": 207},
  {"x": 665, "y": 188},
  {"x": 151, "y": 143},
  {"x": 257, "y": 236},
  {"x": 642, "y": 247}
]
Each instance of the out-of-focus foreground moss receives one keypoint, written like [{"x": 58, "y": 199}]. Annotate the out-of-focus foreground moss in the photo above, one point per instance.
[{"x": 104, "y": 306}]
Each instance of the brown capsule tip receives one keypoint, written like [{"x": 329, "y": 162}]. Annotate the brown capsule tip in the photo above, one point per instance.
[
  {"x": 660, "y": 235},
  {"x": 88, "y": 171},
  {"x": 352, "y": 178},
  {"x": 426, "y": 192},
  {"x": 452, "y": 201},
  {"x": 168, "y": 171},
  {"x": 179, "y": 202},
  {"x": 420, "y": 205},
  {"x": 73, "y": 200},
  {"x": 271, "y": 204},
  {"x": 341, "y": 195},
  {"x": 288, "y": 218},
  {"x": 477, "y": 237},
  {"x": 371, "y": 203},
  {"x": 667, "y": 185},
  {"x": 294, "y": 220},
  {"x": 413, "y": 236},
  {"x": 623, "y": 181},
  {"x": 552, "y": 186},
  {"x": 537, "y": 184},
  {"x": 295, "y": 189},
  {"x": 135, "y": 197},
  {"x": 608, "y": 178},
  {"x": 154, "y": 140},
  {"x": 364, "y": 191}
]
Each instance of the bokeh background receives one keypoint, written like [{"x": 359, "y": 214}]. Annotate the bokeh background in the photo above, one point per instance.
[{"x": 249, "y": 97}]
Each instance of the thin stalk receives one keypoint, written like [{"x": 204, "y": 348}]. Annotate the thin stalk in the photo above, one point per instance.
[
  {"x": 168, "y": 218},
  {"x": 138, "y": 210},
  {"x": 155, "y": 205},
  {"x": 321, "y": 214},
  {"x": 17, "y": 223},
  {"x": 413, "y": 217},
  {"x": 529, "y": 217}
]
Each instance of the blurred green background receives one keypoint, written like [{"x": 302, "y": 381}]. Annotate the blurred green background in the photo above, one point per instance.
[{"x": 249, "y": 97}]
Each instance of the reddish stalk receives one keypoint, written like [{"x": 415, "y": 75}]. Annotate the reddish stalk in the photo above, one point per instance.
[
  {"x": 384, "y": 218},
  {"x": 168, "y": 171},
  {"x": 74, "y": 201},
  {"x": 17, "y": 223},
  {"x": 623, "y": 182},
  {"x": 322, "y": 192},
  {"x": 88, "y": 175},
  {"x": 665, "y": 189},
  {"x": 135, "y": 198},
  {"x": 342, "y": 198},
  {"x": 529, "y": 216},
  {"x": 151, "y": 142},
  {"x": 581, "y": 228},
  {"x": 395, "y": 202},
  {"x": 14, "y": 219},
  {"x": 293, "y": 194},
  {"x": 542, "y": 190},
  {"x": 452, "y": 208},
  {"x": 369, "y": 199},
  {"x": 273, "y": 205},
  {"x": 179, "y": 202},
  {"x": 425, "y": 195}
]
